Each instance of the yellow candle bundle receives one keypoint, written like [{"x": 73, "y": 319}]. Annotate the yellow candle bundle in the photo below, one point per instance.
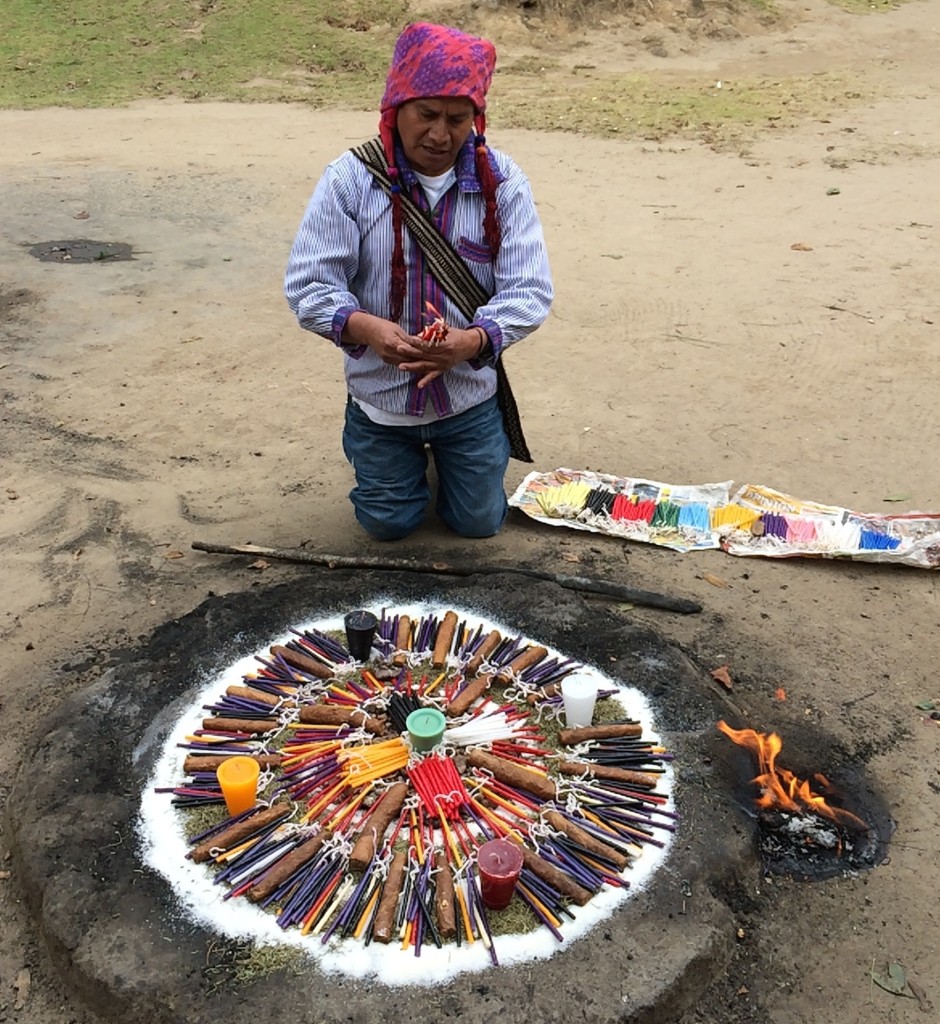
[
  {"x": 570, "y": 496},
  {"x": 735, "y": 516},
  {"x": 296, "y": 752},
  {"x": 363, "y": 764}
]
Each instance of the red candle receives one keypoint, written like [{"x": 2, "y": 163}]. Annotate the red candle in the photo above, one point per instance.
[{"x": 500, "y": 863}]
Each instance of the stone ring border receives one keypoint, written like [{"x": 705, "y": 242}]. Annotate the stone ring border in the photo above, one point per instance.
[{"x": 113, "y": 925}]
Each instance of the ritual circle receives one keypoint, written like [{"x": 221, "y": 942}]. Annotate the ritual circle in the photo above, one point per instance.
[
  {"x": 138, "y": 926},
  {"x": 391, "y": 787}
]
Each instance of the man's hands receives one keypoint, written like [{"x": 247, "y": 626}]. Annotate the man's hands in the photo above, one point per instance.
[
  {"x": 410, "y": 354},
  {"x": 433, "y": 360},
  {"x": 389, "y": 342}
]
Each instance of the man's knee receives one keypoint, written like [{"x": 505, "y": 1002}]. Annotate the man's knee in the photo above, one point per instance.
[
  {"x": 387, "y": 526},
  {"x": 476, "y": 522}
]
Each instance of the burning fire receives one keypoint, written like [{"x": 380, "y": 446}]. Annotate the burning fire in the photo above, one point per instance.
[{"x": 781, "y": 790}]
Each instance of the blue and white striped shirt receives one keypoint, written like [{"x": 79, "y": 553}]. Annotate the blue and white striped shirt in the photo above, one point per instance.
[{"x": 341, "y": 263}]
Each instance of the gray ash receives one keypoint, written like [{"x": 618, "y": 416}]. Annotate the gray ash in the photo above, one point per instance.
[{"x": 810, "y": 847}]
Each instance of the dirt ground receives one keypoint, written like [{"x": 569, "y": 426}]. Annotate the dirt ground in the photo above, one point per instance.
[{"x": 151, "y": 402}]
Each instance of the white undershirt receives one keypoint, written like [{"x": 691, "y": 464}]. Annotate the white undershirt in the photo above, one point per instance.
[
  {"x": 435, "y": 187},
  {"x": 398, "y": 419}
]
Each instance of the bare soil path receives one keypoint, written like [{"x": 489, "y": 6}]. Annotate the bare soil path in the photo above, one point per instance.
[{"x": 171, "y": 397}]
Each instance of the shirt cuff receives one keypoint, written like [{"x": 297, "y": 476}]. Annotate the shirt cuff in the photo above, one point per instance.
[
  {"x": 340, "y": 317},
  {"x": 495, "y": 335}
]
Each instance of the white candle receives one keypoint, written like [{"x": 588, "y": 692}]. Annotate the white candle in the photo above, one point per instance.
[{"x": 580, "y": 696}]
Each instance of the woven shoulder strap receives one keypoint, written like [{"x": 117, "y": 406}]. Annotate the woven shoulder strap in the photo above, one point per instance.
[
  {"x": 448, "y": 267},
  {"x": 443, "y": 260}
]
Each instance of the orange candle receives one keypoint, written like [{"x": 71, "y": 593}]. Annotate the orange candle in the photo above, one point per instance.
[{"x": 238, "y": 778}]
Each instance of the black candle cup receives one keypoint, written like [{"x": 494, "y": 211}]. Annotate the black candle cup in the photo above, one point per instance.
[{"x": 360, "y": 629}]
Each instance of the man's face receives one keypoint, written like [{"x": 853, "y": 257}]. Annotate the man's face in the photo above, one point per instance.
[{"x": 433, "y": 130}]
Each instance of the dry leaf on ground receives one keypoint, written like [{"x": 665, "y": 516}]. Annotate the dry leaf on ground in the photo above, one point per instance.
[
  {"x": 174, "y": 554},
  {"x": 802, "y": 247},
  {"x": 259, "y": 564},
  {"x": 715, "y": 581},
  {"x": 892, "y": 979},
  {"x": 721, "y": 675}
]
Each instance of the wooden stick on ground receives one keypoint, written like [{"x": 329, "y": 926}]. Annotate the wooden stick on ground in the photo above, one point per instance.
[{"x": 647, "y": 598}]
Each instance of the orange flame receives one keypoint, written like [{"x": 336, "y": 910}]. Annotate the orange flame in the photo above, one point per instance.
[{"x": 780, "y": 789}]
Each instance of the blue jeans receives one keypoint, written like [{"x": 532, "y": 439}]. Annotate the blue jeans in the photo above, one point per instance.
[{"x": 471, "y": 453}]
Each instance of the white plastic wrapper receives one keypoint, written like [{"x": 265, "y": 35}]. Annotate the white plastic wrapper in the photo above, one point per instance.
[
  {"x": 776, "y": 525},
  {"x": 757, "y": 521}
]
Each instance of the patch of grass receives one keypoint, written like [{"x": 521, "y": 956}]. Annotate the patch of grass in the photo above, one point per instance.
[
  {"x": 256, "y": 962},
  {"x": 608, "y": 711},
  {"x": 867, "y": 6},
  {"x": 550, "y": 726},
  {"x": 584, "y": 12},
  {"x": 658, "y": 106},
  {"x": 517, "y": 917},
  {"x": 197, "y": 820},
  {"x": 530, "y": 65},
  {"x": 108, "y": 52},
  {"x": 83, "y": 53},
  {"x": 228, "y": 962}
]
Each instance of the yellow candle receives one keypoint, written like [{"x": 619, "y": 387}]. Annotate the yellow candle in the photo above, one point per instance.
[{"x": 238, "y": 778}]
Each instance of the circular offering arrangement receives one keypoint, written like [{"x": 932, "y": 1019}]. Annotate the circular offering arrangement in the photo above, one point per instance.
[{"x": 416, "y": 811}]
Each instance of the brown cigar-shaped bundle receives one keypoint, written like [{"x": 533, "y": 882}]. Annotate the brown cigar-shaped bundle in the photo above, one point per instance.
[
  {"x": 578, "y": 835},
  {"x": 490, "y": 642},
  {"x": 602, "y": 771},
  {"x": 249, "y": 725},
  {"x": 250, "y": 693},
  {"x": 286, "y": 866},
  {"x": 210, "y": 762},
  {"x": 383, "y": 814},
  {"x": 302, "y": 662},
  {"x": 529, "y": 657},
  {"x": 572, "y": 737},
  {"x": 468, "y": 695},
  {"x": 444, "y": 639},
  {"x": 477, "y": 687},
  {"x": 561, "y": 881},
  {"x": 385, "y": 913},
  {"x": 513, "y": 774},
  {"x": 324, "y": 714},
  {"x": 233, "y": 835},
  {"x": 445, "y": 898},
  {"x": 402, "y": 641}
]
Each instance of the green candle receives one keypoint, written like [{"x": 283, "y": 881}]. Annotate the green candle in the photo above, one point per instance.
[{"x": 425, "y": 727}]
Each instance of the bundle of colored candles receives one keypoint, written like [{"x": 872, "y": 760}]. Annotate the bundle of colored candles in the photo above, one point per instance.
[
  {"x": 361, "y": 832},
  {"x": 435, "y": 331},
  {"x": 590, "y": 503},
  {"x": 777, "y": 525},
  {"x": 757, "y": 520},
  {"x": 676, "y": 516}
]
